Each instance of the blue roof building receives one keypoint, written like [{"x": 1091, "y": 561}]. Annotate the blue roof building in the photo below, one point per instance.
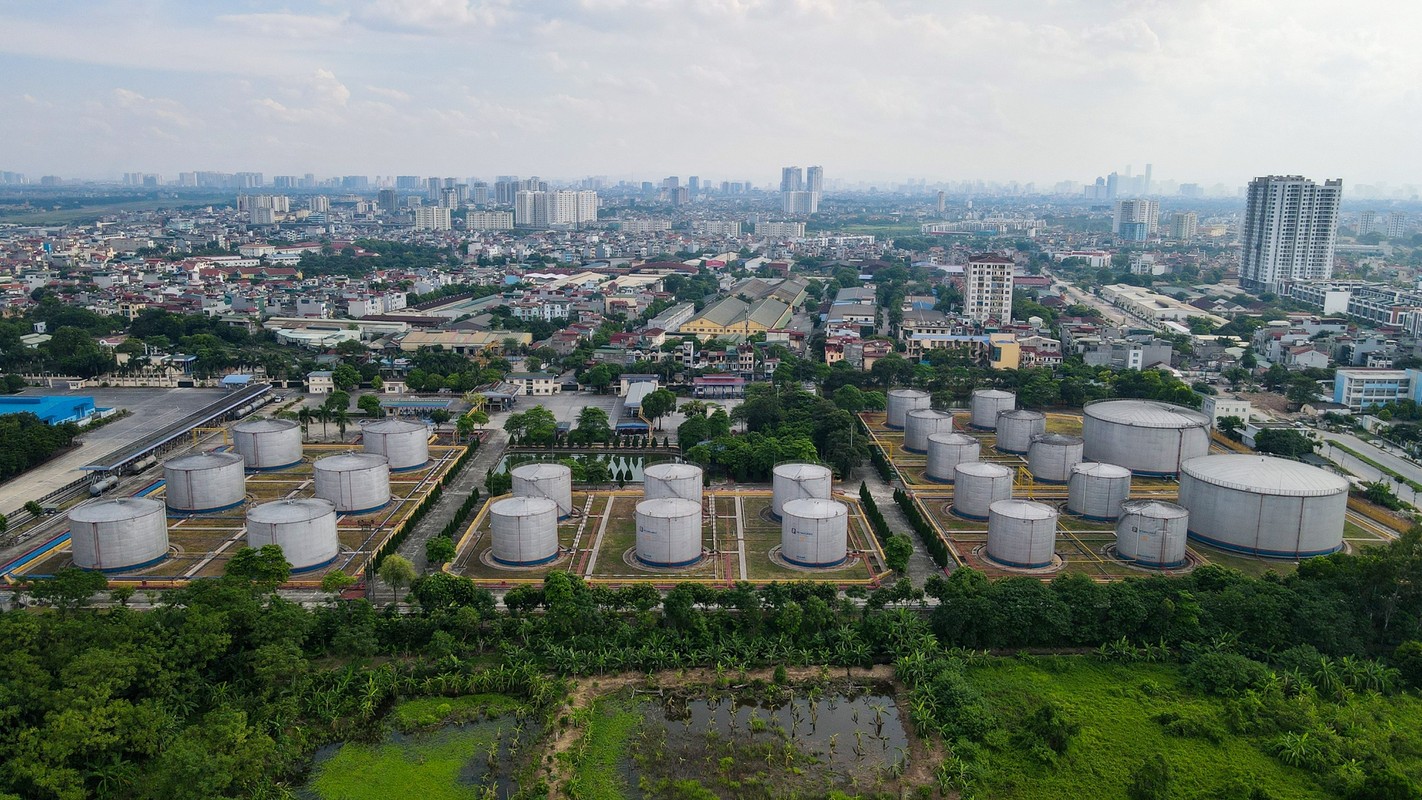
[{"x": 54, "y": 409}]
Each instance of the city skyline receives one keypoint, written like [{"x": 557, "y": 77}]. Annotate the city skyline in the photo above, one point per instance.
[{"x": 1070, "y": 91}]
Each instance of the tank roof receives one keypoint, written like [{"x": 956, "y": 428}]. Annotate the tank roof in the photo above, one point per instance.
[
  {"x": 1157, "y": 509},
  {"x": 1056, "y": 439},
  {"x": 195, "y": 461},
  {"x": 907, "y": 393},
  {"x": 345, "y": 462},
  {"x": 541, "y": 470},
  {"x": 928, "y": 412},
  {"x": 1265, "y": 475},
  {"x": 264, "y": 425},
  {"x": 116, "y": 509},
  {"x": 672, "y": 470},
  {"x": 801, "y": 469},
  {"x": 392, "y": 425},
  {"x": 1022, "y": 509},
  {"x": 297, "y": 510},
  {"x": 983, "y": 468},
  {"x": 523, "y": 505},
  {"x": 951, "y": 437},
  {"x": 1021, "y": 413},
  {"x": 815, "y": 507},
  {"x": 996, "y": 394},
  {"x": 1146, "y": 414},
  {"x": 1101, "y": 470},
  {"x": 669, "y": 507}
]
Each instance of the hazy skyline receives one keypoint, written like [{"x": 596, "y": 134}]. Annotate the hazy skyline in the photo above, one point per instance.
[{"x": 1213, "y": 91}]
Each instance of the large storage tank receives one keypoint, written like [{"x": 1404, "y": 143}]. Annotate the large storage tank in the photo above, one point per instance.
[
  {"x": 987, "y": 404},
  {"x": 356, "y": 483},
  {"x": 118, "y": 534},
  {"x": 977, "y": 485},
  {"x": 668, "y": 532},
  {"x": 305, "y": 529},
  {"x": 268, "y": 443},
  {"x": 202, "y": 482},
  {"x": 1144, "y": 436},
  {"x": 1052, "y": 455},
  {"x": 922, "y": 422},
  {"x": 1015, "y": 429},
  {"x": 1096, "y": 491},
  {"x": 1264, "y": 506},
  {"x": 814, "y": 533},
  {"x": 1152, "y": 533},
  {"x": 1022, "y": 534},
  {"x": 405, "y": 444},
  {"x": 902, "y": 401},
  {"x": 948, "y": 450},
  {"x": 795, "y": 481},
  {"x": 553, "y": 481},
  {"x": 672, "y": 480},
  {"x": 524, "y": 531}
]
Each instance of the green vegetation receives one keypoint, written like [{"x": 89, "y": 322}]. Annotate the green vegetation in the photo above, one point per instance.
[
  {"x": 429, "y": 767},
  {"x": 597, "y": 760},
  {"x": 29, "y": 442},
  {"x": 430, "y": 712}
]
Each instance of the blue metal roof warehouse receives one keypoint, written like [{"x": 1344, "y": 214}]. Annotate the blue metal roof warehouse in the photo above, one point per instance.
[{"x": 53, "y": 409}]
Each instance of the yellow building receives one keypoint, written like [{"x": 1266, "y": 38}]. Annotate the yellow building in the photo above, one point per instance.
[{"x": 735, "y": 316}]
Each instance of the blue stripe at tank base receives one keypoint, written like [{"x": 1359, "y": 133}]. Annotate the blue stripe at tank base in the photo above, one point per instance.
[
  {"x": 932, "y": 479},
  {"x": 360, "y": 511},
  {"x": 1281, "y": 554},
  {"x": 1145, "y": 473},
  {"x": 982, "y": 427},
  {"x": 667, "y": 564},
  {"x": 1095, "y": 518},
  {"x": 534, "y": 563},
  {"x": 808, "y": 565},
  {"x": 1010, "y": 452},
  {"x": 908, "y": 449},
  {"x": 1158, "y": 564},
  {"x": 182, "y": 512},
  {"x": 410, "y": 469},
  {"x": 893, "y": 427},
  {"x": 776, "y": 517},
  {"x": 140, "y": 565},
  {"x": 328, "y": 562},
  {"x": 966, "y": 515},
  {"x": 1036, "y": 479},
  {"x": 1018, "y": 565}
]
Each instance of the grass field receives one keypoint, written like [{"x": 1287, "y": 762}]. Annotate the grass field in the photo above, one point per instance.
[
  {"x": 429, "y": 767},
  {"x": 598, "y": 762}
]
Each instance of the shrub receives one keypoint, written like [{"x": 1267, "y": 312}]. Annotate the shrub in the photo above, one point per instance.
[{"x": 1225, "y": 673}]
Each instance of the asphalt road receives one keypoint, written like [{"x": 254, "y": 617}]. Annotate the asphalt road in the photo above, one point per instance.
[{"x": 1401, "y": 466}]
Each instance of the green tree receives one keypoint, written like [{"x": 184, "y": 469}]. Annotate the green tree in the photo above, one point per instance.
[
  {"x": 1150, "y": 780},
  {"x": 439, "y": 550},
  {"x": 34, "y": 508},
  {"x": 69, "y": 589},
  {"x": 658, "y": 404},
  {"x": 1231, "y": 426},
  {"x": 598, "y": 378},
  {"x": 593, "y": 426},
  {"x": 345, "y": 377},
  {"x": 897, "y": 552},
  {"x": 397, "y": 571},
  {"x": 440, "y": 416},
  {"x": 1283, "y": 442},
  {"x": 266, "y": 568},
  {"x": 370, "y": 404},
  {"x": 336, "y": 581}
]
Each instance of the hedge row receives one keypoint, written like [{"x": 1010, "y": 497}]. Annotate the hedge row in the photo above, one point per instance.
[
  {"x": 876, "y": 517},
  {"x": 937, "y": 549},
  {"x": 876, "y": 457},
  {"x": 393, "y": 543}
]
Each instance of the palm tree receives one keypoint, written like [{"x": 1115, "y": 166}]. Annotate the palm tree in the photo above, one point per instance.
[
  {"x": 324, "y": 415},
  {"x": 342, "y": 418},
  {"x": 304, "y": 417}
]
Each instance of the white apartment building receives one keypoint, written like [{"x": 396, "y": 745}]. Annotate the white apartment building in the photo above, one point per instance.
[
  {"x": 718, "y": 227},
  {"x": 1136, "y": 220},
  {"x": 1216, "y": 407},
  {"x": 432, "y": 218},
  {"x": 780, "y": 230},
  {"x": 490, "y": 221},
  {"x": 1290, "y": 228},
  {"x": 560, "y": 208},
  {"x": 987, "y": 289},
  {"x": 1184, "y": 225}
]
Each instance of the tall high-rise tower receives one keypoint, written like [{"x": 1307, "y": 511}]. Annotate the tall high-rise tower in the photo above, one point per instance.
[
  {"x": 800, "y": 193},
  {"x": 791, "y": 179},
  {"x": 987, "y": 288},
  {"x": 1290, "y": 227}
]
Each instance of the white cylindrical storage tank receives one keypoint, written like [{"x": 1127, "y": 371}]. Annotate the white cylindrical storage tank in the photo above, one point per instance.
[
  {"x": 268, "y": 443},
  {"x": 1015, "y": 429},
  {"x": 672, "y": 480},
  {"x": 977, "y": 485},
  {"x": 1096, "y": 491},
  {"x": 405, "y": 444},
  {"x": 814, "y": 533},
  {"x": 948, "y": 450},
  {"x": 305, "y": 529},
  {"x": 118, "y": 534},
  {"x": 356, "y": 483},
  {"x": 987, "y": 404},
  {"x": 524, "y": 531},
  {"x": 1152, "y": 533},
  {"x": 1052, "y": 455},
  {"x": 668, "y": 532},
  {"x": 553, "y": 481},
  {"x": 923, "y": 422},
  {"x": 902, "y": 401},
  {"x": 795, "y": 481},
  {"x": 202, "y": 482},
  {"x": 1146, "y": 437},
  {"x": 1264, "y": 506},
  {"x": 1022, "y": 534}
]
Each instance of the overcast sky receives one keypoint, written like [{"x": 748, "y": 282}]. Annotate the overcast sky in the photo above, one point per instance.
[{"x": 1043, "y": 90}]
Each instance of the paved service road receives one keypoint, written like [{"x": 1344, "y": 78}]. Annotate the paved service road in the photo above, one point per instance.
[{"x": 1401, "y": 466}]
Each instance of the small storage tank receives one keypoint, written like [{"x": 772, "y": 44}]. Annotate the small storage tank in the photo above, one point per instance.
[
  {"x": 268, "y": 443},
  {"x": 672, "y": 480},
  {"x": 1264, "y": 506},
  {"x": 524, "y": 531},
  {"x": 1015, "y": 429},
  {"x": 405, "y": 444},
  {"x": 668, "y": 532},
  {"x": 305, "y": 529},
  {"x": 1152, "y": 533},
  {"x": 357, "y": 483},
  {"x": 1096, "y": 491},
  {"x": 814, "y": 533},
  {"x": 118, "y": 534},
  {"x": 1146, "y": 437},
  {"x": 921, "y": 422},
  {"x": 987, "y": 404},
  {"x": 553, "y": 481},
  {"x": 202, "y": 482},
  {"x": 796, "y": 480},
  {"x": 902, "y": 401},
  {"x": 977, "y": 485},
  {"x": 948, "y": 450},
  {"x": 1052, "y": 455},
  {"x": 1022, "y": 534}
]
